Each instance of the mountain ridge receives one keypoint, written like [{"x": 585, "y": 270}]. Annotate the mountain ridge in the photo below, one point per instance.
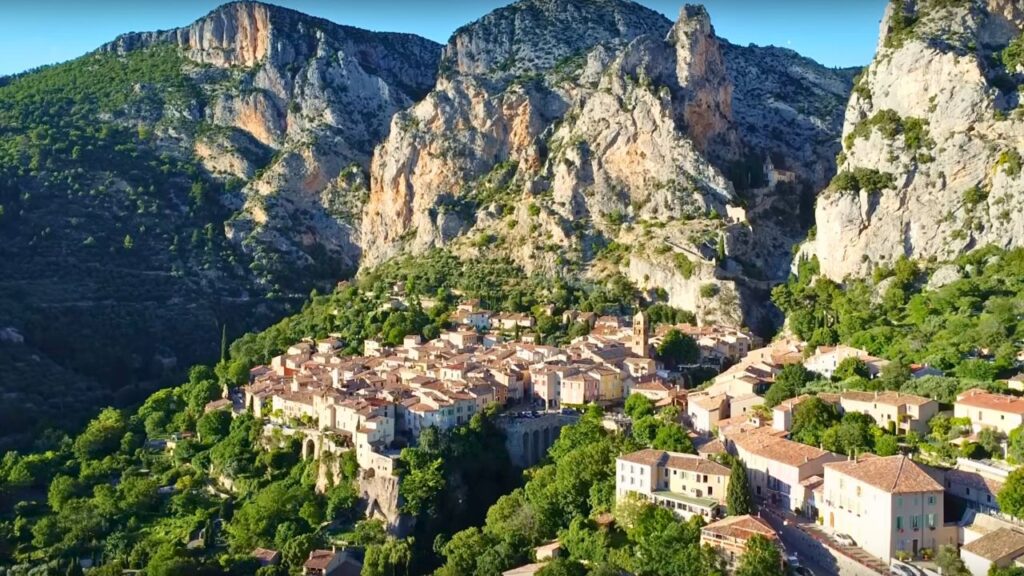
[{"x": 280, "y": 132}]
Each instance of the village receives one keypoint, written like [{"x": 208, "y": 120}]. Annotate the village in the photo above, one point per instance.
[{"x": 814, "y": 503}]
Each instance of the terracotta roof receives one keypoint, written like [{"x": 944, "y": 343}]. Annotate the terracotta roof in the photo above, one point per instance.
[
  {"x": 740, "y": 527},
  {"x": 973, "y": 480},
  {"x": 778, "y": 449},
  {"x": 675, "y": 460},
  {"x": 319, "y": 559},
  {"x": 646, "y": 457},
  {"x": 891, "y": 398},
  {"x": 979, "y": 398},
  {"x": 713, "y": 447},
  {"x": 707, "y": 402},
  {"x": 266, "y": 555},
  {"x": 787, "y": 405},
  {"x": 693, "y": 463},
  {"x": 997, "y": 545},
  {"x": 894, "y": 474},
  {"x": 525, "y": 570}
]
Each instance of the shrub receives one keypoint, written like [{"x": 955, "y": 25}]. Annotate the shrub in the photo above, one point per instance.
[
  {"x": 1010, "y": 162},
  {"x": 890, "y": 124},
  {"x": 1013, "y": 55},
  {"x": 975, "y": 195},
  {"x": 862, "y": 179},
  {"x": 685, "y": 266}
]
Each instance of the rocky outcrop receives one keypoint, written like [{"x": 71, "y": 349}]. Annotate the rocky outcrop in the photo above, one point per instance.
[
  {"x": 931, "y": 166},
  {"x": 533, "y": 36},
  {"x": 318, "y": 97},
  {"x": 545, "y": 124},
  {"x": 611, "y": 127}
]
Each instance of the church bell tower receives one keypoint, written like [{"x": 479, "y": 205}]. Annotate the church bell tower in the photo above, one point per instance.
[{"x": 639, "y": 344}]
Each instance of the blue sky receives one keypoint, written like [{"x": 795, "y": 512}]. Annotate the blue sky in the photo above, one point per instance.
[{"x": 37, "y": 32}]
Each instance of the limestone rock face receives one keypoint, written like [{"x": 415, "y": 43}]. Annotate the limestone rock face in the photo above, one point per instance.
[
  {"x": 618, "y": 118},
  {"x": 552, "y": 129},
  {"x": 536, "y": 35},
  {"x": 703, "y": 80},
  {"x": 937, "y": 110},
  {"x": 316, "y": 98}
]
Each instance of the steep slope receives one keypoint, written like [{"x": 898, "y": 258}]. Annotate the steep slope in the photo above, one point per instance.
[
  {"x": 931, "y": 162},
  {"x": 319, "y": 96},
  {"x": 161, "y": 188},
  {"x": 560, "y": 128}
]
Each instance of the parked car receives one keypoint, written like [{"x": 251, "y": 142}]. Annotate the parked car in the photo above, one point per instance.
[
  {"x": 802, "y": 571},
  {"x": 845, "y": 540},
  {"x": 901, "y": 570}
]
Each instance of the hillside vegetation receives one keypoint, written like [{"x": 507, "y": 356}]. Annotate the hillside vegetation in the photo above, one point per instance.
[{"x": 112, "y": 247}]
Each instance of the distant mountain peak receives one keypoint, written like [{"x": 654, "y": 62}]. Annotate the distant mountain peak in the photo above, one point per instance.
[{"x": 532, "y": 36}]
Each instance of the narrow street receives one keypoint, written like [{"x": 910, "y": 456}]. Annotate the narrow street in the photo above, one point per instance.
[{"x": 812, "y": 553}]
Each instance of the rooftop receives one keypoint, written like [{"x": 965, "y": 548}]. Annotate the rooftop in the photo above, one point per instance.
[
  {"x": 675, "y": 461},
  {"x": 996, "y": 545},
  {"x": 740, "y": 527},
  {"x": 979, "y": 398},
  {"x": 778, "y": 449},
  {"x": 893, "y": 474}
]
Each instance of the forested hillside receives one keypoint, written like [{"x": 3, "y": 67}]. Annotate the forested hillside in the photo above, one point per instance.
[{"x": 113, "y": 258}]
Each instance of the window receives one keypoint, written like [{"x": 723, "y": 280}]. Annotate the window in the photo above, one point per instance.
[
  {"x": 899, "y": 522},
  {"x": 931, "y": 499},
  {"x": 899, "y": 502},
  {"x": 915, "y": 523},
  {"x": 931, "y": 520}
]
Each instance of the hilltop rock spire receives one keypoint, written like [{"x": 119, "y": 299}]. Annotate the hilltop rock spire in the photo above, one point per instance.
[{"x": 707, "y": 91}]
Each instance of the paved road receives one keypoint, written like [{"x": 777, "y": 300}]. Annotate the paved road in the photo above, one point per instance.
[{"x": 812, "y": 553}]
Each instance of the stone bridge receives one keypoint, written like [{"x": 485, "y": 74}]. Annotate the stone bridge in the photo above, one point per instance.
[{"x": 528, "y": 439}]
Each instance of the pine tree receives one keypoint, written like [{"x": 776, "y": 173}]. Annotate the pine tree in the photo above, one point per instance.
[
  {"x": 738, "y": 496},
  {"x": 223, "y": 342}
]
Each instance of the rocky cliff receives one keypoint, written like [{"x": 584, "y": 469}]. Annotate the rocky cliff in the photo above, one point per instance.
[
  {"x": 550, "y": 138},
  {"x": 296, "y": 105},
  {"x": 931, "y": 164}
]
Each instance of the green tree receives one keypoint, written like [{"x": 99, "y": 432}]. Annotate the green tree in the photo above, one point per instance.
[
  {"x": 677, "y": 349},
  {"x": 671, "y": 437},
  {"x": 422, "y": 481},
  {"x": 977, "y": 370},
  {"x": 1011, "y": 496},
  {"x": 214, "y": 426},
  {"x": 563, "y": 567},
  {"x": 849, "y": 368},
  {"x": 62, "y": 489},
  {"x": 296, "y": 549},
  {"x": 788, "y": 383},
  {"x": 851, "y": 436},
  {"x": 994, "y": 570},
  {"x": 886, "y": 445},
  {"x": 102, "y": 436},
  {"x": 646, "y": 429},
  {"x": 811, "y": 418},
  {"x": 1015, "y": 445},
  {"x": 738, "y": 495},
  {"x": 991, "y": 441},
  {"x": 390, "y": 558},
  {"x": 760, "y": 558},
  {"x": 948, "y": 560},
  {"x": 637, "y": 406}
]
